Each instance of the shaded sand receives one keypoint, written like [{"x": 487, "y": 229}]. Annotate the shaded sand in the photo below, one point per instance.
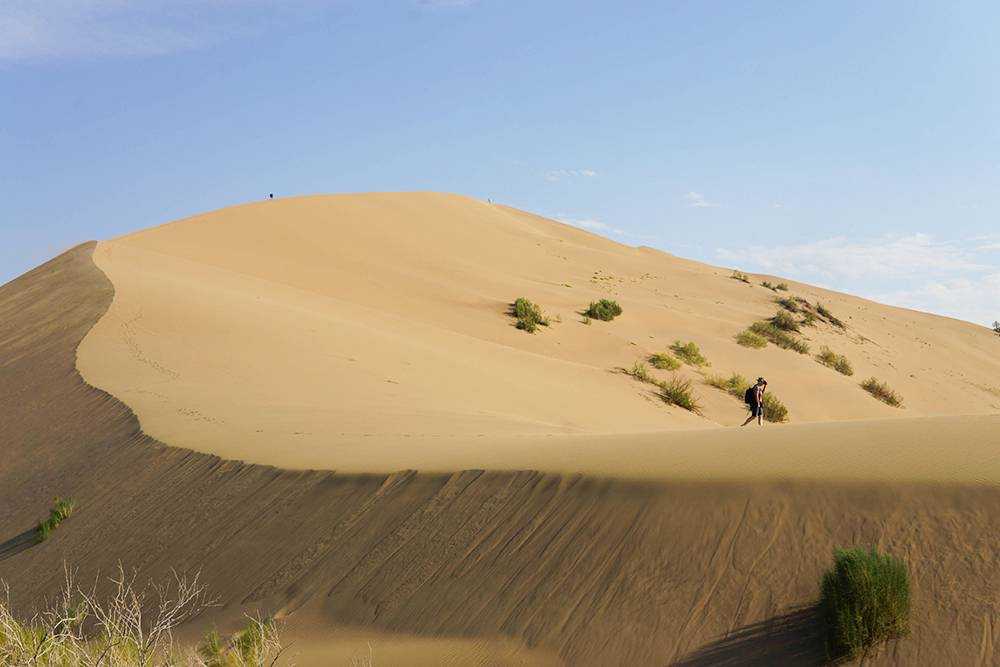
[
  {"x": 593, "y": 570},
  {"x": 314, "y": 331}
]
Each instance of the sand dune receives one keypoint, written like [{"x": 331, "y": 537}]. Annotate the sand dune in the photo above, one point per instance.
[
  {"x": 304, "y": 332},
  {"x": 505, "y": 498}
]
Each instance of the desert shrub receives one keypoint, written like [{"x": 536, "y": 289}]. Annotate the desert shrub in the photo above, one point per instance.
[
  {"x": 774, "y": 410},
  {"x": 882, "y": 392},
  {"x": 740, "y": 276},
  {"x": 809, "y": 320},
  {"x": 689, "y": 353},
  {"x": 828, "y": 316},
  {"x": 789, "y": 304},
  {"x": 640, "y": 372},
  {"x": 529, "y": 315},
  {"x": 779, "y": 337},
  {"x": 61, "y": 510},
  {"x": 735, "y": 384},
  {"x": 781, "y": 287},
  {"x": 864, "y": 600},
  {"x": 769, "y": 285},
  {"x": 784, "y": 321},
  {"x": 837, "y": 362},
  {"x": 677, "y": 391},
  {"x": 748, "y": 338},
  {"x": 605, "y": 310},
  {"x": 664, "y": 361}
]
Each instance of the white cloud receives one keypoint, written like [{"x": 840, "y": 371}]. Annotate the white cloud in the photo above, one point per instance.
[
  {"x": 916, "y": 271},
  {"x": 54, "y": 29},
  {"x": 697, "y": 200},
  {"x": 556, "y": 175}
]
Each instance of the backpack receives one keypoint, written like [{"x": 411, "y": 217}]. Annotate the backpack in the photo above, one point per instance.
[{"x": 750, "y": 397}]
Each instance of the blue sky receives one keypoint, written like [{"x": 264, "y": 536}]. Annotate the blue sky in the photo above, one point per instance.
[{"x": 850, "y": 144}]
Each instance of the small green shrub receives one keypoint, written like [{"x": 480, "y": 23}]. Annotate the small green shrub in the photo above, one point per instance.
[
  {"x": 735, "y": 384},
  {"x": 61, "y": 510},
  {"x": 864, "y": 600},
  {"x": 837, "y": 362},
  {"x": 781, "y": 287},
  {"x": 529, "y": 316},
  {"x": 740, "y": 276},
  {"x": 664, "y": 361},
  {"x": 768, "y": 285},
  {"x": 689, "y": 353},
  {"x": 828, "y": 316},
  {"x": 604, "y": 310},
  {"x": 748, "y": 338},
  {"x": 774, "y": 410},
  {"x": 779, "y": 337},
  {"x": 640, "y": 372},
  {"x": 882, "y": 392},
  {"x": 677, "y": 391},
  {"x": 784, "y": 321},
  {"x": 789, "y": 304},
  {"x": 809, "y": 320}
]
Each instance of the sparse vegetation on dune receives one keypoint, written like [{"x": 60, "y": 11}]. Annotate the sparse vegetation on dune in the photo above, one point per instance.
[
  {"x": 689, "y": 353},
  {"x": 736, "y": 385},
  {"x": 779, "y": 337},
  {"x": 837, "y": 362},
  {"x": 740, "y": 276},
  {"x": 789, "y": 304},
  {"x": 664, "y": 361},
  {"x": 784, "y": 321},
  {"x": 824, "y": 313},
  {"x": 882, "y": 392},
  {"x": 781, "y": 287},
  {"x": 604, "y": 310},
  {"x": 748, "y": 338},
  {"x": 130, "y": 627},
  {"x": 529, "y": 315},
  {"x": 61, "y": 510},
  {"x": 677, "y": 391},
  {"x": 864, "y": 600},
  {"x": 640, "y": 372}
]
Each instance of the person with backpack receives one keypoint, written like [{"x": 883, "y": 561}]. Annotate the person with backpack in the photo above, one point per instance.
[{"x": 754, "y": 398}]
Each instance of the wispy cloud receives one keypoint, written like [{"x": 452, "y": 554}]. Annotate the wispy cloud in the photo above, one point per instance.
[
  {"x": 556, "y": 175},
  {"x": 698, "y": 200},
  {"x": 951, "y": 277},
  {"x": 56, "y": 29}
]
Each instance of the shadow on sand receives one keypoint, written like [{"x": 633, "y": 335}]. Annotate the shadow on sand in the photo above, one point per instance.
[
  {"x": 794, "y": 638},
  {"x": 16, "y": 545}
]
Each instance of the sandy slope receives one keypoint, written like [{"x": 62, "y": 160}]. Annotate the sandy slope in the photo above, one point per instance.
[{"x": 317, "y": 331}]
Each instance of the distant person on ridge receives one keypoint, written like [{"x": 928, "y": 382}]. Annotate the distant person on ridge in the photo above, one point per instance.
[{"x": 754, "y": 398}]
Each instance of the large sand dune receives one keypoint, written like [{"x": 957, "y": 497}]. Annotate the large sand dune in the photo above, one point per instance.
[{"x": 500, "y": 498}]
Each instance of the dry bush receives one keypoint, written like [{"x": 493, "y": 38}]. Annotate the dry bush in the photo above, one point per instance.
[
  {"x": 740, "y": 276},
  {"x": 664, "y": 361},
  {"x": 837, "y": 362},
  {"x": 689, "y": 353},
  {"x": 882, "y": 392},
  {"x": 748, "y": 338}
]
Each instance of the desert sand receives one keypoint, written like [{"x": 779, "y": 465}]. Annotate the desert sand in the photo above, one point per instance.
[{"x": 322, "y": 405}]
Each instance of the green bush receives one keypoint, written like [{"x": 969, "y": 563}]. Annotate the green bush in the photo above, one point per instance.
[
  {"x": 779, "y": 337},
  {"x": 735, "y": 384},
  {"x": 740, "y": 276},
  {"x": 789, "y": 304},
  {"x": 882, "y": 392},
  {"x": 664, "y": 361},
  {"x": 748, "y": 338},
  {"x": 61, "y": 510},
  {"x": 604, "y": 310},
  {"x": 640, "y": 372},
  {"x": 828, "y": 316},
  {"x": 837, "y": 362},
  {"x": 529, "y": 315},
  {"x": 689, "y": 353},
  {"x": 677, "y": 391},
  {"x": 768, "y": 285},
  {"x": 864, "y": 600},
  {"x": 774, "y": 410},
  {"x": 784, "y": 321},
  {"x": 781, "y": 287}
]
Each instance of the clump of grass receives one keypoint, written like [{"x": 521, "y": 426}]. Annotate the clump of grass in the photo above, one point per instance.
[
  {"x": 825, "y": 313},
  {"x": 837, "y": 362},
  {"x": 61, "y": 510},
  {"x": 529, "y": 315},
  {"x": 774, "y": 410},
  {"x": 677, "y": 391},
  {"x": 664, "y": 361},
  {"x": 882, "y": 392},
  {"x": 809, "y": 320},
  {"x": 781, "y": 287},
  {"x": 769, "y": 285},
  {"x": 689, "y": 353},
  {"x": 789, "y": 304},
  {"x": 641, "y": 372},
  {"x": 604, "y": 310},
  {"x": 740, "y": 276},
  {"x": 865, "y": 600},
  {"x": 748, "y": 338},
  {"x": 784, "y": 321},
  {"x": 779, "y": 337}
]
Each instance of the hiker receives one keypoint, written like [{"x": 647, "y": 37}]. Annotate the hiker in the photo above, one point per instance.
[{"x": 754, "y": 398}]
